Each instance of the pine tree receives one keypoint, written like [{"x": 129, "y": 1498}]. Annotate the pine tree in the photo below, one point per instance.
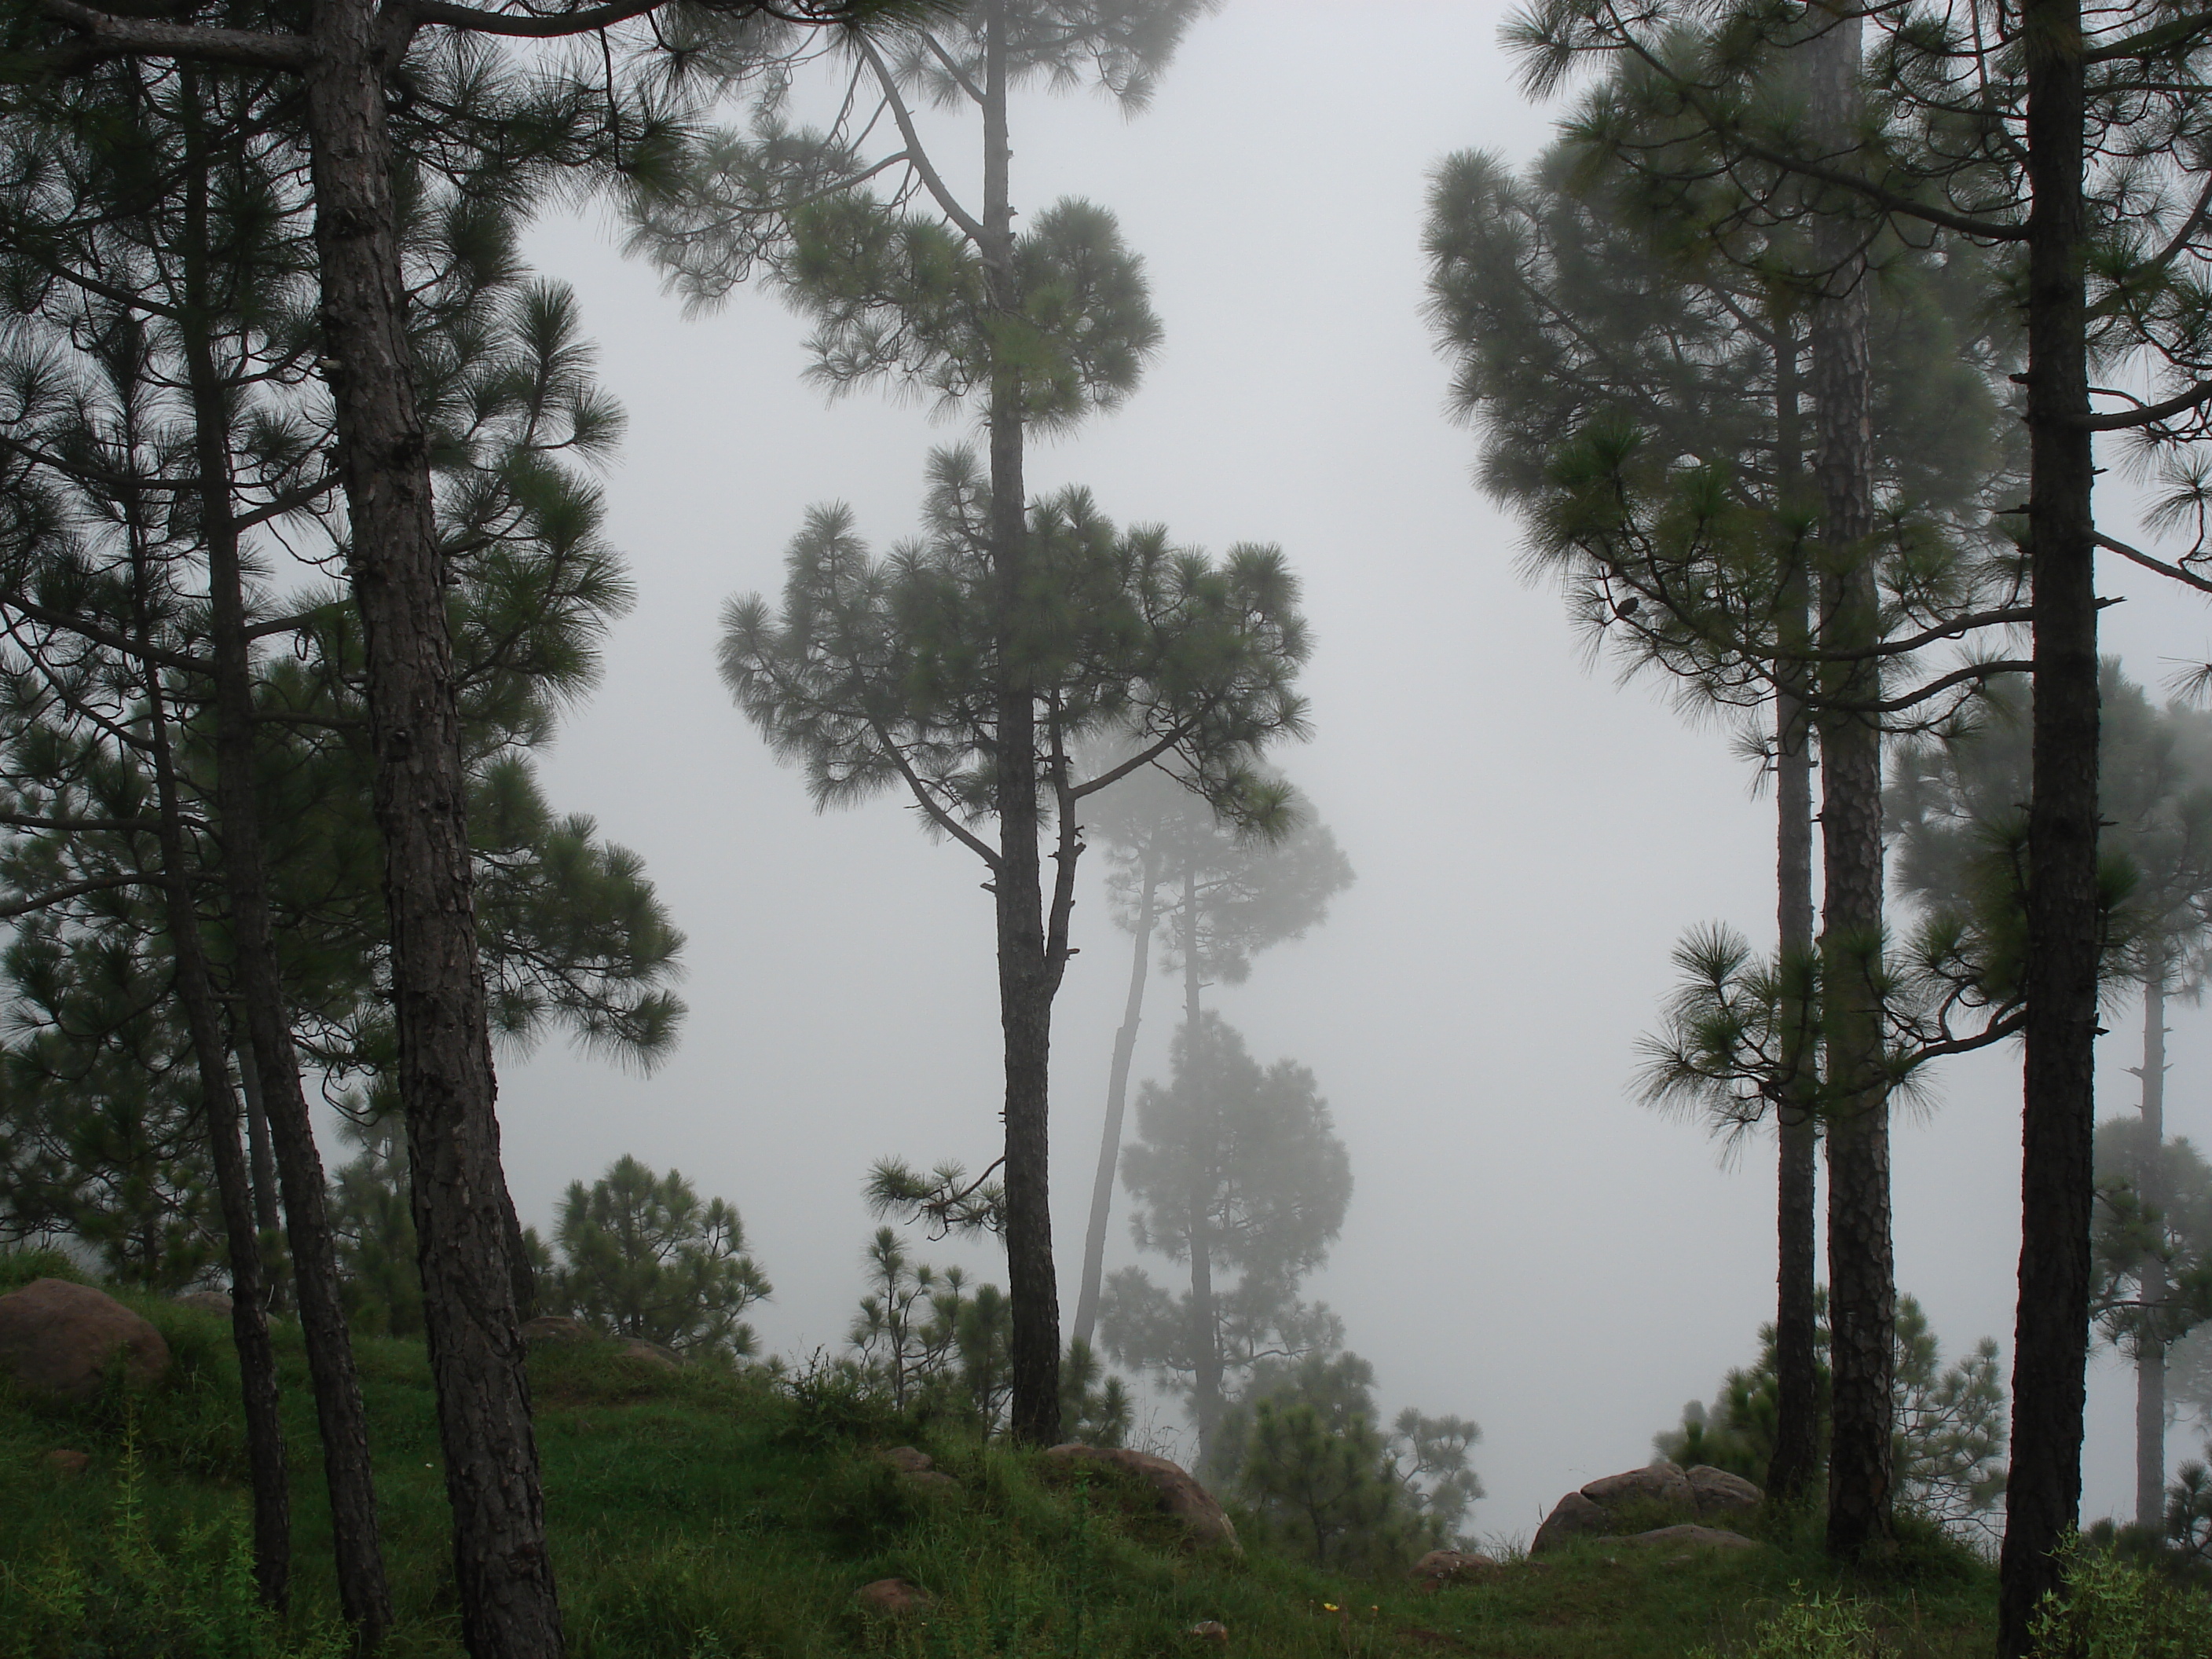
[
  {"x": 1165, "y": 849},
  {"x": 1237, "y": 1170}
]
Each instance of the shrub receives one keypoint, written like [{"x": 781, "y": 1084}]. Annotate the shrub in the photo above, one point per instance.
[
  {"x": 1822, "y": 1628},
  {"x": 193, "y": 1599},
  {"x": 2115, "y": 1609}
]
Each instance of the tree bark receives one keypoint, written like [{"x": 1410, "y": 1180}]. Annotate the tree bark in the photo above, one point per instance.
[
  {"x": 196, "y": 995},
  {"x": 1025, "y": 975},
  {"x": 1792, "y": 1471},
  {"x": 2152, "y": 1291},
  {"x": 1205, "y": 1158},
  {"x": 1117, "y": 1100},
  {"x": 364, "y": 1596},
  {"x": 508, "y": 1606},
  {"x": 2042, "y": 1494},
  {"x": 1862, "y": 1293},
  {"x": 263, "y": 1166}
]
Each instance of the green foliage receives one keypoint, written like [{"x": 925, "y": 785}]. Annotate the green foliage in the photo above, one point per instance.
[
  {"x": 881, "y": 674},
  {"x": 2110, "y": 1607},
  {"x": 372, "y": 1223},
  {"x": 191, "y": 1597},
  {"x": 19, "y": 1267},
  {"x": 937, "y": 1351},
  {"x": 642, "y": 1256},
  {"x": 1301, "y": 1449},
  {"x": 2189, "y": 1511},
  {"x": 1816, "y": 1627},
  {"x": 2152, "y": 1255},
  {"x": 1950, "y": 1422}
]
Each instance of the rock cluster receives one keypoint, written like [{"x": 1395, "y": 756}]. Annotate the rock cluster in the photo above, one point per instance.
[
  {"x": 1702, "y": 1493},
  {"x": 59, "y": 1338},
  {"x": 1179, "y": 1494}
]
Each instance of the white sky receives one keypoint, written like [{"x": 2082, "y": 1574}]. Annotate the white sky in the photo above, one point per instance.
[{"x": 1526, "y": 1245}]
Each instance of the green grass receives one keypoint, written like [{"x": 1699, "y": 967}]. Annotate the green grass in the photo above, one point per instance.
[{"x": 697, "y": 1515}]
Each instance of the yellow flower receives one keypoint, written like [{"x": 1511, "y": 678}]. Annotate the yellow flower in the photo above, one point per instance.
[{"x": 1328, "y": 1607}]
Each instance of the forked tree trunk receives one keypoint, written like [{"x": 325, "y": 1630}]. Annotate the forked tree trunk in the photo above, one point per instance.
[
  {"x": 1117, "y": 1100},
  {"x": 2051, "y": 1340},
  {"x": 504, "y": 1576},
  {"x": 262, "y": 1164},
  {"x": 1025, "y": 975},
  {"x": 2152, "y": 1287},
  {"x": 364, "y": 1596},
  {"x": 1861, "y": 1292},
  {"x": 196, "y": 995},
  {"x": 1795, "y": 1465}
]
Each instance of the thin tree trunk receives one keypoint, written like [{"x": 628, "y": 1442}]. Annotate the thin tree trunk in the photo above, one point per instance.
[
  {"x": 508, "y": 1602},
  {"x": 2153, "y": 1291},
  {"x": 1204, "y": 1156},
  {"x": 2051, "y": 1341},
  {"x": 1025, "y": 980},
  {"x": 1117, "y": 1099},
  {"x": 1795, "y": 1461},
  {"x": 196, "y": 995},
  {"x": 263, "y": 1166},
  {"x": 1861, "y": 1292},
  {"x": 364, "y": 1597}
]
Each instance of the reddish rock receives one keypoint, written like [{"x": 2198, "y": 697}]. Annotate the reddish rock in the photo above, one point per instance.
[
  {"x": 555, "y": 1327},
  {"x": 58, "y": 1338},
  {"x": 1440, "y": 1567},
  {"x": 1695, "y": 1538},
  {"x": 894, "y": 1598},
  {"x": 652, "y": 1353},
  {"x": 68, "y": 1462},
  {"x": 1179, "y": 1495},
  {"x": 1660, "y": 1485},
  {"x": 1573, "y": 1517},
  {"x": 1719, "y": 1493},
  {"x": 930, "y": 1483},
  {"x": 907, "y": 1460},
  {"x": 1210, "y": 1630}
]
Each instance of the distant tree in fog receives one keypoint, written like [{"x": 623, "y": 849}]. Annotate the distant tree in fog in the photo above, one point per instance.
[
  {"x": 1237, "y": 1175},
  {"x": 1221, "y": 888}
]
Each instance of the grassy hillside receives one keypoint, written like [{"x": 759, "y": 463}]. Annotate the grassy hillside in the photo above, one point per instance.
[{"x": 701, "y": 1516}]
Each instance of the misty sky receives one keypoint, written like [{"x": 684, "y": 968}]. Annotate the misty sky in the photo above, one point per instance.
[{"x": 1526, "y": 1245}]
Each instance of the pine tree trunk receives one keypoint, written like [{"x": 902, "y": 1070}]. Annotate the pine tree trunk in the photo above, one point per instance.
[
  {"x": 2153, "y": 1289},
  {"x": 2051, "y": 1341},
  {"x": 364, "y": 1597},
  {"x": 196, "y": 995},
  {"x": 1117, "y": 1099},
  {"x": 1862, "y": 1293},
  {"x": 1025, "y": 980},
  {"x": 1204, "y": 1159},
  {"x": 1795, "y": 1464},
  {"x": 504, "y": 1576},
  {"x": 262, "y": 1167}
]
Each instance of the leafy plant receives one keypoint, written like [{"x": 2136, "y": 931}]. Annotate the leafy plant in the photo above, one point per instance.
[{"x": 2115, "y": 1609}]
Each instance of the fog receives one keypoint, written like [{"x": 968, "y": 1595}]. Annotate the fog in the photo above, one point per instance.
[{"x": 1526, "y": 1245}]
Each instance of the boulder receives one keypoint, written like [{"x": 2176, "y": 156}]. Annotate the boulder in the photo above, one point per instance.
[
  {"x": 907, "y": 1460},
  {"x": 652, "y": 1353},
  {"x": 58, "y": 1338},
  {"x": 1441, "y": 1567},
  {"x": 68, "y": 1462},
  {"x": 212, "y": 1302},
  {"x": 1572, "y": 1516},
  {"x": 1660, "y": 1486},
  {"x": 555, "y": 1327},
  {"x": 1719, "y": 1493},
  {"x": 928, "y": 1483},
  {"x": 1210, "y": 1630},
  {"x": 1692, "y": 1537},
  {"x": 893, "y": 1598},
  {"x": 1179, "y": 1494}
]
